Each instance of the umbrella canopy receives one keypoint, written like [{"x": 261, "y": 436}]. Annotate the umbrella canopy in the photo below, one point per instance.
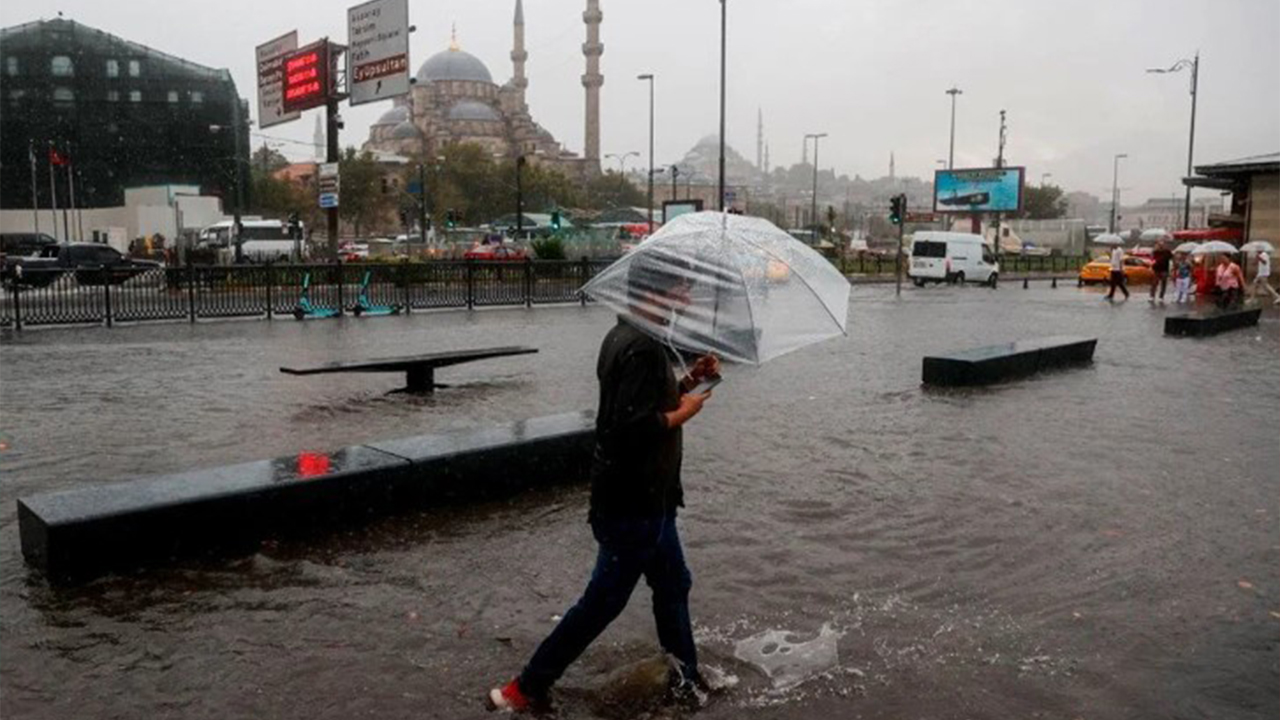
[
  {"x": 1187, "y": 247},
  {"x": 1109, "y": 239},
  {"x": 1258, "y": 246},
  {"x": 1151, "y": 234},
  {"x": 755, "y": 291},
  {"x": 1215, "y": 246}
]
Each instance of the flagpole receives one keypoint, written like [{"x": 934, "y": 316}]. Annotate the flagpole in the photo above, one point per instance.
[
  {"x": 35, "y": 198},
  {"x": 53, "y": 192},
  {"x": 71, "y": 184}
]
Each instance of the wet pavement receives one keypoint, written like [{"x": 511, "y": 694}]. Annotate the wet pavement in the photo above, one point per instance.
[{"x": 1094, "y": 543}]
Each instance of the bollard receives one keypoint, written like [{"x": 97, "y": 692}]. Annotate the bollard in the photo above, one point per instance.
[
  {"x": 1055, "y": 284},
  {"x": 1026, "y": 283}
]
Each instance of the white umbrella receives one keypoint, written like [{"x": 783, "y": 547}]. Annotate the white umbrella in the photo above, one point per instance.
[
  {"x": 1154, "y": 234},
  {"x": 1258, "y": 246},
  {"x": 1109, "y": 239},
  {"x": 1215, "y": 246},
  {"x": 755, "y": 291},
  {"x": 1187, "y": 247}
]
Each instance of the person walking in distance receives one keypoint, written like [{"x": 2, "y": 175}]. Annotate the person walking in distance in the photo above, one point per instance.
[
  {"x": 1182, "y": 279},
  {"x": 1262, "y": 280},
  {"x": 1160, "y": 259},
  {"x": 635, "y": 491},
  {"x": 1117, "y": 273}
]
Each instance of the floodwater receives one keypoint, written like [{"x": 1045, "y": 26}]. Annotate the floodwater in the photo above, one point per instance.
[{"x": 1095, "y": 543}]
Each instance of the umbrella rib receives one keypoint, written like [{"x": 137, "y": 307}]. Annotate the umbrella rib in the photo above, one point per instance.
[{"x": 821, "y": 302}]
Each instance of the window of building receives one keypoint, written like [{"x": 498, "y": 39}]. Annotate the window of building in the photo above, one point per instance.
[
  {"x": 17, "y": 94},
  {"x": 63, "y": 96},
  {"x": 61, "y": 66},
  {"x": 113, "y": 96},
  {"x": 113, "y": 68},
  {"x": 173, "y": 96},
  {"x": 197, "y": 97},
  {"x": 135, "y": 68},
  {"x": 135, "y": 96},
  {"x": 11, "y": 65}
]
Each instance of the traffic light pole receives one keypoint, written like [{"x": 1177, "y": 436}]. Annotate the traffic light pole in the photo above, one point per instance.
[
  {"x": 902, "y": 224},
  {"x": 422, "y": 204},
  {"x": 332, "y": 155}
]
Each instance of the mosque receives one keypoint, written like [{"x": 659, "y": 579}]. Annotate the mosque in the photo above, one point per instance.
[{"x": 454, "y": 99}]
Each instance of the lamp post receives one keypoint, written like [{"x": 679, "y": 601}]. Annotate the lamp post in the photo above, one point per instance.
[
  {"x": 649, "y": 77},
  {"x": 622, "y": 165},
  {"x": 519, "y": 198},
  {"x": 723, "y": 20},
  {"x": 1115, "y": 189},
  {"x": 813, "y": 210},
  {"x": 951, "y": 154},
  {"x": 1194, "y": 64}
]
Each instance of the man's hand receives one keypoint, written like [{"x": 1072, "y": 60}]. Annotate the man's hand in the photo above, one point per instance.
[
  {"x": 707, "y": 366},
  {"x": 690, "y": 405}
]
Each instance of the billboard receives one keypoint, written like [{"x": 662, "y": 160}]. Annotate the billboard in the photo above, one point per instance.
[
  {"x": 378, "y": 50},
  {"x": 978, "y": 190},
  {"x": 270, "y": 57},
  {"x": 306, "y": 77}
]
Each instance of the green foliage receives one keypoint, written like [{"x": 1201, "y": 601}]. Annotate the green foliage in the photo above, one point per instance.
[
  {"x": 361, "y": 197},
  {"x": 610, "y": 190},
  {"x": 550, "y": 248},
  {"x": 1044, "y": 202}
]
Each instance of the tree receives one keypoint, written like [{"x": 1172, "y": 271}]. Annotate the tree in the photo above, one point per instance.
[
  {"x": 1044, "y": 202},
  {"x": 361, "y": 201},
  {"x": 610, "y": 190},
  {"x": 268, "y": 159}
]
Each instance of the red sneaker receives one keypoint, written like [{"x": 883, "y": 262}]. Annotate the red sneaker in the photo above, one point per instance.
[{"x": 509, "y": 698}]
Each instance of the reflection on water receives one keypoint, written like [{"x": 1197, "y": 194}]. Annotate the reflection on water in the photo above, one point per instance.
[{"x": 1098, "y": 542}]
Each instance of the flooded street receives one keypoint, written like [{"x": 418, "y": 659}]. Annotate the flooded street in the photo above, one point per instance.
[{"x": 1094, "y": 543}]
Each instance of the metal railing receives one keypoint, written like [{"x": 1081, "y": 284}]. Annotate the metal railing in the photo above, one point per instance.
[{"x": 106, "y": 296}]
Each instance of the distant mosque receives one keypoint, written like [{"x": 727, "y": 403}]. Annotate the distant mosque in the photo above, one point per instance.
[{"x": 455, "y": 100}]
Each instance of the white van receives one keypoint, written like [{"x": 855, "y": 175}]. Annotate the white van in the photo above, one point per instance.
[
  {"x": 261, "y": 240},
  {"x": 951, "y": 257}
]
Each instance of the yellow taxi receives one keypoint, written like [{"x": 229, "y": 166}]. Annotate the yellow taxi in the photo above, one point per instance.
[{"x": 1137, "y": 271}]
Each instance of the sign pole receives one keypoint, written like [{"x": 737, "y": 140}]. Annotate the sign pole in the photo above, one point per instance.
[
  {"x": 901, "y": 228},
  {"x": 332, "y": 155}
]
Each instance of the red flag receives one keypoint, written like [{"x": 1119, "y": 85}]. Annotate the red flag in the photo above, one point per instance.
[{"x": 57, "y": 158}]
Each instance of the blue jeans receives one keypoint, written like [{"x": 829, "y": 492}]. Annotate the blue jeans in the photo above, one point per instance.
[{"x": 629, "y": 548}]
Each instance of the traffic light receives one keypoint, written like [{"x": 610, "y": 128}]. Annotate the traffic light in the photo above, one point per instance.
[
  {"x": 295, "y": 226},
  {"x": 450, "y": 218},
  {"x": 556, "y": 220},
  {"x": 897, "y": 209}
]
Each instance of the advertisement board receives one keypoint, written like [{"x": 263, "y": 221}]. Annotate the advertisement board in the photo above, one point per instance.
[
  {"x": 270, "y": 60},
  {"x": 306, "y": 77},
  {"x": 978, "y": 190},
  {"x": 377, "y": 50}
]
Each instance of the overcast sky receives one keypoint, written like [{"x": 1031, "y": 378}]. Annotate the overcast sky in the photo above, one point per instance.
[{"x": 872, "y": 74}]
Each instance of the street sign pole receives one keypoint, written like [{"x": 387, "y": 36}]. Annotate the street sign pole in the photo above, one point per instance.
[
  {"x": 901, "y": 230},
  {"x": 422, "y": 204}
]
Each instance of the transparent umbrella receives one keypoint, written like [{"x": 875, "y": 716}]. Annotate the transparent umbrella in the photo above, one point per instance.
[
  {"x": 1215, "y": 246},
  {"x": 1109, "y": 239},
  {"x": 1187, "y": 247},
  {"x": 755, "y": 291},
  {"x": 1258, "y": 246},
  {"x": 1152, "y": 234}
]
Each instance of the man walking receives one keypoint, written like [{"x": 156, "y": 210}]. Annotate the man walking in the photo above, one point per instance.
[
  {"x": 635, "y": 490},
  {"x": 1262, "y": 280},
  {"x": 1117, "y": 273},
  {"x": 1160, "y": 259}
]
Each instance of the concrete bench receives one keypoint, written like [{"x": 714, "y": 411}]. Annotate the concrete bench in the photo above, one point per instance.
[
  {"x": 419, "y": 370},
  {"x": 1211, "y": 322},
  {"x": 78, "y": 534},
  {"x": 997, "y": 363}
]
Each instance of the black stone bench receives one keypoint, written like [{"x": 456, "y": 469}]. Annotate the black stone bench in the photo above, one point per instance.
[
  {"x": 419, "y": 370},
  {"x": 997, "y": 363},
  {"x": 1211, "y": 322},
  {"x": 78, "y": 534}
]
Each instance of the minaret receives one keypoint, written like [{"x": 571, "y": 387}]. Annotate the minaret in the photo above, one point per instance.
[
  {"x": 518, "y": 54},
  {"x": 760, "y": 139},
  {"x": 766, "y": 159},
  {"x": 891, "y": 165},
  {"x": 592, "y": 49}
]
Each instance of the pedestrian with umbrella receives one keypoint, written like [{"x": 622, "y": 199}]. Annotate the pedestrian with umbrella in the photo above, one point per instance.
[
  {"x": 1262, "y": 278},
  {"x": 709, "y": 284}
]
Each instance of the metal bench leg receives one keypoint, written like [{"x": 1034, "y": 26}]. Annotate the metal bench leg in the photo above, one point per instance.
[{"x": 420, "y": 380}]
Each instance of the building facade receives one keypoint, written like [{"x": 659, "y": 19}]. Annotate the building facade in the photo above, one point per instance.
[
  {"x": 454, "y": 99},
  {"x": 121, "y": 114}
]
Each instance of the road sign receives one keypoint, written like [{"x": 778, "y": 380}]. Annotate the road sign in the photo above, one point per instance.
[
  {"x": 270, "y": 57},
  {"x": 327, "y": 183},
  {"x": 730, "y": 197},
  {"x": 378, "y": 50},
  {"x": 306, "y": 77}
]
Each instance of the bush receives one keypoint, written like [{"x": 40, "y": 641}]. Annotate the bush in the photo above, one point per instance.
[{"x": 551, "y": 248}]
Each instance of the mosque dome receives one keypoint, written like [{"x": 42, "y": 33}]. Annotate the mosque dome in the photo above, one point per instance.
[
  {"x": 454, "y": 64},
  {"x": 394, "y": 116},
  {"x": 472, "y": 110},
  {"x": 405, "y": 131}
]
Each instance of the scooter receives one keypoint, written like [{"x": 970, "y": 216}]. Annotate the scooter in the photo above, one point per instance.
[
  {"x": 305, "y": 309},
  {"x": 364, "y": 307}
]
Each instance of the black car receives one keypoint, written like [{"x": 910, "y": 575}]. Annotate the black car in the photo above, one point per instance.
[
  {"x": 23, "y": 244},
  {"x": 92, "y": 263}
]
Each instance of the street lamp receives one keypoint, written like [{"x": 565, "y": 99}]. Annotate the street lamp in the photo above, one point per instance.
[
  {"x": 723, "y": 19},
  {"x": 951, "y": 154},
  {"x": 1115, "y": 188},
  {"x": 622, "y": 164},
  {"x": 649, "y": 77},
  {"x": 519, "y": 198},
  {"x": 1194, "y": 64},
  {"x": 813, "y": 212}
]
